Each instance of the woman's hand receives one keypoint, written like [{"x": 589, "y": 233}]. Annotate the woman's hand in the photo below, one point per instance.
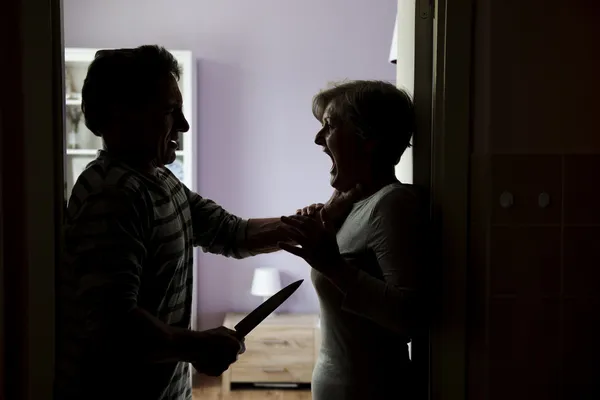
[
  {"x": 318, "y": 247},
  {"x": 316, "y": 240},
  {"x": 310, "y": 211},
  {"x": 337, "y": 207},
  {"x": 340, "y": 203}
]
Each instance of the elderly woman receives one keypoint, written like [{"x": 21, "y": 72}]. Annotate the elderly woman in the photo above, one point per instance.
[{"x": 366, "y": 263}]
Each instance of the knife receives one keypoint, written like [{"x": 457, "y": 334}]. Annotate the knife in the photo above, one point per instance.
[{"x": 258, "y": 315}]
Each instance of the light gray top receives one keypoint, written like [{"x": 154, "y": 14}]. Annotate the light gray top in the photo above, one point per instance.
[{"x": 364, "y": 333}]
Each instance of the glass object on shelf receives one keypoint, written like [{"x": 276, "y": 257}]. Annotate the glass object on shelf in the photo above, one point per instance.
[
  {"x": 72, "y": 140},
  {"x": 74, "y": 115},
  {"x": 69, "y": 85},
  {"x": 75, "y": 72}
]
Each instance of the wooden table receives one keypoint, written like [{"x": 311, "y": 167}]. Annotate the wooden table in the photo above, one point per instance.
[{"x": 281, "y": 350}]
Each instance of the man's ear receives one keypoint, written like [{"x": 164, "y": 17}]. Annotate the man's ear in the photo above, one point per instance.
[
  {"x": 125, "y": 116},
  {"x": 114, "y": 115}
]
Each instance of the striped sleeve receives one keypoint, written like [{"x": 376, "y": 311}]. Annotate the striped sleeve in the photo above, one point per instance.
[
  {"x": 216, "y": 230},
  {"x": 106, "y": 250}
]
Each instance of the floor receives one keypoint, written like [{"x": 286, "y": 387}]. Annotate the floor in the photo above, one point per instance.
[{"x": 207, "y": 388}]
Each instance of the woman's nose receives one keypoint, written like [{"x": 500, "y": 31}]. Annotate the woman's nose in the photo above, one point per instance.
[{"x": 319, "y": 138}]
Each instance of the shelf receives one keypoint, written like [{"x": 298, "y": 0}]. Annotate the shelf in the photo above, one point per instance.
[
  {"x": 73, "y": 102},
  {"x": 93, "y": 152},
  {"x": 82, "y": 152}
]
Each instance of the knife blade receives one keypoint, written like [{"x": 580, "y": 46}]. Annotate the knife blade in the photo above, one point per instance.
[{"x": 258, "y": 315}]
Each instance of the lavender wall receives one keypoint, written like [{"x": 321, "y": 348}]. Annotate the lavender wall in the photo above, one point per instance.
[{"x": 259, "y": 63}]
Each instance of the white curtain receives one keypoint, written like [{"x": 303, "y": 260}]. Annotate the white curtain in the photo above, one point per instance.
[
  {"x": 394, "y": 47},
  {"x": 402, "y": 53}
]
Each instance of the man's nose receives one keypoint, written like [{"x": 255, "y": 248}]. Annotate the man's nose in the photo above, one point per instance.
[{"x": 183, "y": 125}]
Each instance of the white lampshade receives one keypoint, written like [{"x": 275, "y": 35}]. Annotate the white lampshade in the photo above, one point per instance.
[
  {"x": 394, "y": 47},
  {"x": 266, "y": 282}
]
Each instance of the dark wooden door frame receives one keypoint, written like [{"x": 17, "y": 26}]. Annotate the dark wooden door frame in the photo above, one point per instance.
[
  {"x": 31, "y": 176},
  {"x": 422, "y": 157},
  {"x": 12, "y": 252},
  {"x": 444, "y": 167}
]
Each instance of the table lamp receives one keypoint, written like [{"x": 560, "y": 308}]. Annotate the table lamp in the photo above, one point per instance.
[{"x": 266, "y": 282}]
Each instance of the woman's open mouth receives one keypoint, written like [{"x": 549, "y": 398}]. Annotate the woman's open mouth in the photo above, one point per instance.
[{"x": 333, "y": 169}]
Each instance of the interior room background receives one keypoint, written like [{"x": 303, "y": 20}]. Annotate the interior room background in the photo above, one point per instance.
[{"x": 258, "y": 64}]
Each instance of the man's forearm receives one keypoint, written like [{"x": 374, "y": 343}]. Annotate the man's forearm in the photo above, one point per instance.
[
  {"x": 150, "y": 339},
  {"x": 263, "y": 235}
]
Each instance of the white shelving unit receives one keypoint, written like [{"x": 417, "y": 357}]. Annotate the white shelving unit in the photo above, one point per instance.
[{"x": 82, "y": 145}]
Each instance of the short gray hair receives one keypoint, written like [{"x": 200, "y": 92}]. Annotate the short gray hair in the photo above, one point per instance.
[{"x": 375, "y": 110}]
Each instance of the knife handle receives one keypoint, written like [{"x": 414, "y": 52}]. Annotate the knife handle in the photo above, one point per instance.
[
  {"x": 275, "y": 341},
  {"x": 273, "y": 370}
]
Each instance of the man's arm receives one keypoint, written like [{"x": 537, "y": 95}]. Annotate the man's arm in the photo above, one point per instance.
[
  {"x": 219, "y": 232},
  {"x": 263, "y": 235},
  {"x": 152, "y": 340},
  {"x": 105, "y": 253}
]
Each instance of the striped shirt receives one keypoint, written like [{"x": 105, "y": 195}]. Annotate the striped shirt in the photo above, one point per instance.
[{"x": 129, "y": 243}]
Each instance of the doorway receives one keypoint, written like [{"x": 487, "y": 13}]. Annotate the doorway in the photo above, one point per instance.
[{"x": 42, "y": 191}]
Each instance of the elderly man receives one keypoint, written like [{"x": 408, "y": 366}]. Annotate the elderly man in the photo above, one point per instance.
[{"x": 125, "y": 286}]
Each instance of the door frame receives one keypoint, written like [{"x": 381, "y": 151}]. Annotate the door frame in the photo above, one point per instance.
[
  {"x": 449, "y": 188},
  {"x": 423, "y": 96},
  {"x": 31, "y": 179}
]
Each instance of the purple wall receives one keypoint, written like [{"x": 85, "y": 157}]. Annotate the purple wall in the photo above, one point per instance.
[{"x": 259, "y": 64}]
